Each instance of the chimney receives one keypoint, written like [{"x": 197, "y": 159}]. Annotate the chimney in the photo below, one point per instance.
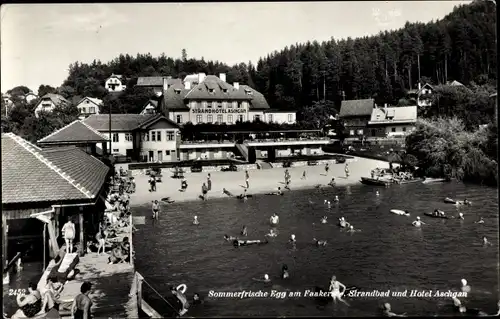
[
  {"x": 187, "y": 85},
  {"x": 236, "y": 85},
  {"x": 165, "y": 84},
  {"x": 201, "y": 77},
  {"x": 222, "y": 76}
]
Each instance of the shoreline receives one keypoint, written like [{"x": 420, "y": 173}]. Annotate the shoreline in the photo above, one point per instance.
[{"x": 261, "y": 181}]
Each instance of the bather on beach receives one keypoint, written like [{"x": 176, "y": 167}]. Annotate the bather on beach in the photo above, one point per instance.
[{"x": 30, "y": 305}]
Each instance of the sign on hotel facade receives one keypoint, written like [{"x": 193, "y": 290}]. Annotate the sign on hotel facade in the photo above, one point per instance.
[{"x": 213, "y": 112}]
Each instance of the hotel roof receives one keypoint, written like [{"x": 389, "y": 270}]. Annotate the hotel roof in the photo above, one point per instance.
[
  {"x": 75, "y": 132},
  {"x": 57, "y": 99},
  {"x": 32, "y": 174},
  {"x": 353, "y": 108},
  {"x": 156, "y": 81},
  {"x": 119, "y": 122}
]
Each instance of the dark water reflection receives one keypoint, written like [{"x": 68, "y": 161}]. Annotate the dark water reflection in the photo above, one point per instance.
[{"x": 388, "y": 253}]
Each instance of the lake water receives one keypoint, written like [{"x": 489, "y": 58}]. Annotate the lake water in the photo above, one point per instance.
[
  {"x": 388, "y": 253},
  {"x": 32, "y": 271}
]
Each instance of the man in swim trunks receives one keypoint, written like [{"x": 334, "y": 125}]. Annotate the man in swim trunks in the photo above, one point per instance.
[
  {"x": 335, "y": 290},
  {"x": 156, "y": 209},
  {"x": 209, "y": 182},
  {"x": 247, "y": 177},
  {"x": 204, "y": 191}
]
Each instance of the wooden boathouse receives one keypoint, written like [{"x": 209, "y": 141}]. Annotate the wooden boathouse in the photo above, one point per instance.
[{"x": 41, "y": 188}]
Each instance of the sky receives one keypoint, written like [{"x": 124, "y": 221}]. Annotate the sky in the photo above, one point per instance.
[{"x": 40, "y": 41}]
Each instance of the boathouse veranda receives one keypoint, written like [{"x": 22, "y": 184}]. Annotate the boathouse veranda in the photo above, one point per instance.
[{"x": 41, "y": 188}]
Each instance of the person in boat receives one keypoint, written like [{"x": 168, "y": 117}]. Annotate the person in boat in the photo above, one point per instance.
[
  {"x": 29, "y": 305},
  {"x": 332, "y": 182},
  {"x": 195, "y": 220},
  {"x": 239, "y": 242},
  {"x": 184, "y": 185},
  {"x": 324, "y": 220},
  {"x": 480, "y": 221},
  {"x": 82, "y": 303},
  {"x": 244, "y": 231},
  {"x": 320, "y": 242},
  {"x": 386, "y": 311},
  {"x": 69, "y": 232},
  {"x": 272, "y": 233},
  {"x": 284, "y": 272},
  {"x": 418, "y": 222},
  {"x": 230, "y": 238},
  {"x": 335, "y": 292},
  {"x": 486, "y": 242},
  {"x": 182, "y": 299}
]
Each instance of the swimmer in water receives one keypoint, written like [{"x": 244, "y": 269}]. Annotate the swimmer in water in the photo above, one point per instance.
[
  {"x": 335, "y": 290},
  {"x": 272, "y": 233},
  {"x": 466, "y": 202},
  {"x": 486, "y": 242},
  {"x": 195, "y": 220},
  {"x": 244, "y": 231},
  {"x": 336, "y": 199},
  {"x": 388, "y": 313},
  {"x": 480, "y": 221},
  {"x": 239, "y": 242},
  {"x": 324, "y": 220},
  {"x": 377, "y": 193},
  {"x": 284, "y": 272},
  {"x": 329, "y": 204},
  {"x": 196, "y": 299},
  {"x": 266, "y": 278},
  {"x": 343, "y": 223},
  {"x": 352, "y": 230},
  {"x": 182, "y": 298},
  {"x": 418, "y": 222},
  {"x": 465, "y": 287},
  {"x": 462, "y": 309},
  {"x": 320, "y": 242},
  {"x": 461, "y": 216},
  {"x": 292, "y": 239},
  {"x": 230, "y": 238}
]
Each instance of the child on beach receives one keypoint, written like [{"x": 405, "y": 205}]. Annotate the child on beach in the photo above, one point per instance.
[
  {"x": 303, "y": 175},
  {"x": 204, "y": 191},
  {"x": 327, "y": 167},
  {"x": 247, "y": 176},
  {"x": 346, "y": 170},
  {"x": 209, "y": 182},
  {"x": 156, "y": 209}
]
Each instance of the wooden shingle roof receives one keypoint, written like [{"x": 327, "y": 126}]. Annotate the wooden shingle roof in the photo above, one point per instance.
[
  {"x": 119, "y": 122},
  {"x": 353, "y": 108},
  {"x": 211, "y": 82},
  {"x": 75, "y": 132},
  {"x": 32, "y": 174}
]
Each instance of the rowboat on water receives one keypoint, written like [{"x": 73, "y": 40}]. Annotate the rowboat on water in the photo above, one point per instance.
[
  {"x": 439, "y": 214},
  {"x": 375, "y": 182}
]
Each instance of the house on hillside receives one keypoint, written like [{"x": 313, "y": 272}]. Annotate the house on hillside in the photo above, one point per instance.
[
  {"x": 210, "y": 99},
  {"x": 145, "y": 138},
  {"x": 424, "y": 94},
  {"x": 150, "y": 108},
  {"x": 454, "y": 83},
  {"x": 88, "y": 106},
  {"x": 355, "y": 114},
  {"x": 30, "y": 96},
  {"x": 157, "y": 83},
  {"x": 7, "y": 99},
  {"x": 392, "y": 121},
  {"x": 115, "y": 83},
  {"x": 49, "y": 102}
]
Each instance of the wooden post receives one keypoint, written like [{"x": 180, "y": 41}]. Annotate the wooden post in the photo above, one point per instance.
[
  {"x": 5, "y": 230},
  {"x": 82, "y": 244},
  {"x": 131, "y": 261},
  {"x": 44, "y": 245}
]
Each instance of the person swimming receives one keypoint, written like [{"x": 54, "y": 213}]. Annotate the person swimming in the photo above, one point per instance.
[
  {"x": 461, "y": 216},
  {"x": 230, "y": 238},
  {"x": 486, "y": 242},
  {"x": 418, "y": 222},
  {"x": 292, "y": 239},
  {"x": 239, "y": 242},
  {"x": 352, "y": 230},
  {"x": 272, "y": 233},
  {"x": 457, "y": 304},
  {"x": 466, "y": 202},
  {"x": 377, "y": 193},
  {"x": 343, "y": 223},
  {"x": 465, "y": 287},
  {"x": 320, "y": 242},
  {"x": 336, "y": 199},
  {"x": 266, "y": 278},
  {"x": 329, "y": 204},
  {"x": 195, "y": 220},
  {"x": 386, "y": 310},
  {"x": 324, "y": 220},
  {"x": 284, "y": 272},
  {"x": 480, "y": 221},
  {"x": 244, "y": 231},
  {"x": 274, "y": 219},
  {"x": 335, "y": 292}
]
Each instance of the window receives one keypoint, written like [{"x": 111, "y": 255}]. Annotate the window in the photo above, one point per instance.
[
  {"x": 244, "y": 104},
  {"x": 373, "y": 132},
  {"x": 360, "y": 132},
  {"x": 235, "y": 104},
  {"x": 220, "y": 104},
  {"x": 193, "y": 104},
  {"x": 145, "y": 137},
  {"x": 87, "y": 101},
  {"x": 210, "y": 118},
  {"x": 393, "y": 129},
  {"x": 290, "y": 118},
  {"x": 170, "y": 135},
  {"x": 204, "y": 104},
  {"x": 116, "y": 150},
  {"x": 220, "y": 118},
  {"x": 224, "y": 90},
  {"x": 211, "y": 91},
  {"x": 230, "y": 119},
  {"x": 153, "y": 136},
  {"x": 177, "y": 91},
  {"x": 214, "y": 104},
  {"x": 128, "y": 137},
  {"x": 351, "y": 132},
  {"x": 241, "y": 118},
  {"x": 179, "y": 119},
  {"x": 198, "y": 118},
  {"x": 256, "y": 117},
  {"x": 404, "y": 129},
  {"x": 115, "y": 137},
  {"x": 209, "y": 105},
  {"x": 158, "y": 136},
  {"x": 167, "y": 153},
  {"x": 84, "y": 110},
  {"x": 92, "y": 109},
  {"x": 270, "y": 117}
]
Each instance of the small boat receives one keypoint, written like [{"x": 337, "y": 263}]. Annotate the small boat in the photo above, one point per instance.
[
  {"x": 241, "y": 196},
  {"x": 410, "y": 181},
  {"x": 456, "y": 202},
  {"x": 434, "y": 180},
  {"x": 375, "y": 182},
  {"x": 434, "y": 215},
  {"x": 399, "y": 212}
]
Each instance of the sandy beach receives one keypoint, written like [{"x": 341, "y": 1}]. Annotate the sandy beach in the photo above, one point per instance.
[{"x": 261, "y": 181}]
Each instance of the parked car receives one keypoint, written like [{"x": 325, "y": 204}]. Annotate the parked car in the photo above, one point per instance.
[
  {"x": 196, "y": 168},
  {"x": 230, "y": 168},
  {"x": 312, "y": 163}
]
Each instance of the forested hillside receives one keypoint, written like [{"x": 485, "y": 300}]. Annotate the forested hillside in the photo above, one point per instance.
[{"x": 462, "y": 47}]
